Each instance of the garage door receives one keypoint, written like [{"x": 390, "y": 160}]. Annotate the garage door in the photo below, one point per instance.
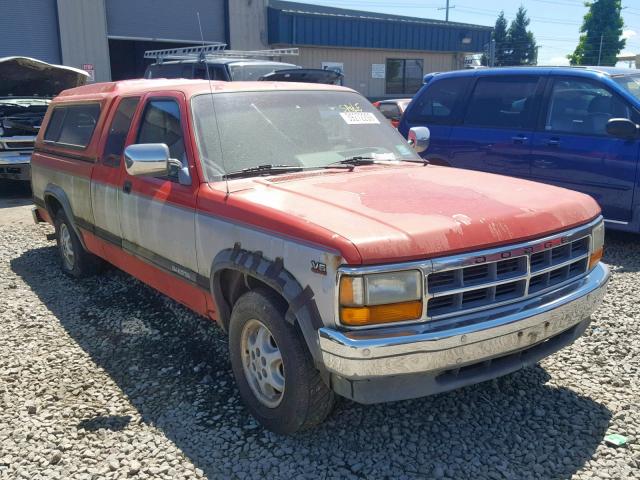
[
  {"x": 166, "y": 19},
  {"x": 30, "y": 29}
]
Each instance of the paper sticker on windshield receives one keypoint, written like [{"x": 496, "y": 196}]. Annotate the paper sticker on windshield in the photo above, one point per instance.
[{"x": 359, "y": 118}]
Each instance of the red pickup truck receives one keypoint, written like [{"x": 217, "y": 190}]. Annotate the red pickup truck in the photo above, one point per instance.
[{"x": 296, "y": 217}]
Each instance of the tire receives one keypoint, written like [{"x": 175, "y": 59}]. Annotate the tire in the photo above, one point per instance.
[
  {"x": 75, "y": 261},
  {"x": 305, "y": 401}
]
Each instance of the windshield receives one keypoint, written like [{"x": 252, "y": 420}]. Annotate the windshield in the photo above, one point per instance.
[
  {"x": 249, "y": 72},
  {"x": 308, "y": 129},
  {"x": 631, "y": 83}
]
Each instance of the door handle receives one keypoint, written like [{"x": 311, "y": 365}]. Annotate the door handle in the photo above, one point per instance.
[
  {"x": 126, "y": 186},
  {"x": 519, "y": 139},
  {"x": 553, "y": 142}
]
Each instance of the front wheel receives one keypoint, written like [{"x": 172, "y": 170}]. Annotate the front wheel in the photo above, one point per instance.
[{"x": 273, "y": 369}]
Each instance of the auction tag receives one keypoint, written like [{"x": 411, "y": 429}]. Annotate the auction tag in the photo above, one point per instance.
[{"x": 359, "y": 118}]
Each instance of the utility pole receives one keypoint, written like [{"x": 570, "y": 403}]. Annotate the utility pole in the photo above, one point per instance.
[
  {"x": 447, "y": 8},
  {"x": 600, "y": 51}
]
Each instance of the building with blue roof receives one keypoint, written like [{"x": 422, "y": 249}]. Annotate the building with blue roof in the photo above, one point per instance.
[{"x": 380, "y": 55}]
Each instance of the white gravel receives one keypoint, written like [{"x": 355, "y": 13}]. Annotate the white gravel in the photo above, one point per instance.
[{"x": 104, "y": 378}]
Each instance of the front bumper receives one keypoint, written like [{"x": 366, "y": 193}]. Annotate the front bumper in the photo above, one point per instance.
[
  {"x": 16, "y": 166},
  {"x": 377, "y": 363}
]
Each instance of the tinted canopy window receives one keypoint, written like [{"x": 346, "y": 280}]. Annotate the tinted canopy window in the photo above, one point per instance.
[
  {"x": 301, "y": 129},
  {"x": 438, "y": 101},
  {"x": 73, "y": 125},
  {"x": 583, "y": 107},
  {"x": 403, "y": 76},
  {"x": 502, "y": 102},
  {"x": 118, "y": 131}
]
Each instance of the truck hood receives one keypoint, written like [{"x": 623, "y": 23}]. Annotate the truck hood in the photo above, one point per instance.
[
  {"x": 26, "y": 77},
  {"x": 399, "y": 213}
]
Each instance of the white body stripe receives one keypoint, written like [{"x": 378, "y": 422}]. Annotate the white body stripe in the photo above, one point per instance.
[
  {"x": 159, "y": 227},
  {"x": 105, "y": 207},
  {"x": 77, "y": 188}
]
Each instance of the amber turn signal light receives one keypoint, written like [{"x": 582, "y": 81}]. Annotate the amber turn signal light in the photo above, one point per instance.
[
  {"x": 595, "y": 257},
  {"x": 374, "y": 315}
]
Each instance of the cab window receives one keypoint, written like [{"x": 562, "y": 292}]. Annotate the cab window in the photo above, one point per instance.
[
  {"x": 117, "y": 135},
  {"x": 161, "y": 123}
]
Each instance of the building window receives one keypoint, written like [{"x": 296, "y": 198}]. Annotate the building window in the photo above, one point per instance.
[{"x": 404, "y": 76}]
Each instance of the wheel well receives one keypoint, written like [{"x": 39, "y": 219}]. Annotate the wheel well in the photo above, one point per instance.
[
  {"x": 53, "y": 206},
  {"x": 234, "y": 283}
]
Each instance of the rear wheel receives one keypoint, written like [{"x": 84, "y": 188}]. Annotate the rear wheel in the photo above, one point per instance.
[
  {"x": 75, "y": 260},
  {"x": 273, "y": 369}
]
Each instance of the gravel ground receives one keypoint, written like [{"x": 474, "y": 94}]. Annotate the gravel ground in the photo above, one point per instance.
[{"x": 104, "y": 378}]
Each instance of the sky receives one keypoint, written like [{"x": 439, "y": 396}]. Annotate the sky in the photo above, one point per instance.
[{"x": 555, "y": 23}]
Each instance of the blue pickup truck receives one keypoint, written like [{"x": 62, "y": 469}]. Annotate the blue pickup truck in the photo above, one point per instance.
[{"x": 576, "y": 127}]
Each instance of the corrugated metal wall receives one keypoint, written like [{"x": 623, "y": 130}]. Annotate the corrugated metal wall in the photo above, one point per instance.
[
  {"x": 301, "y": 28},
  {"x": 30, "y": 28},
  {"x": 358, "y": 62},
  {"x": 166, "y": 19}
]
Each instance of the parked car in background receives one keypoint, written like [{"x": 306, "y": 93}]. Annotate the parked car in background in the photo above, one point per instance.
[
  {"x": 304, "y": 75},
  {"x": 26, "y": 88},
  {"x": 393, "y": 109},
  {"x": 572, "y": 127},
  {"x": 303, "y": 223},
  {"x": 222, "y": 68}
]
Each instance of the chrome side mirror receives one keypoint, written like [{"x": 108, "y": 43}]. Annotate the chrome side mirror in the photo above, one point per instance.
[
  {"x": 148, "y": 159},
  {"x": 418, "y": 138}
]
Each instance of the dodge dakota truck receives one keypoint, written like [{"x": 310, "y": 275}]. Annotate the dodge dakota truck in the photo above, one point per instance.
[{"x": 297, "y": 217}]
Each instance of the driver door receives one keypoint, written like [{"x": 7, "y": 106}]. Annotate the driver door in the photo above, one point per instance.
[{"x": 157, "y": 214}]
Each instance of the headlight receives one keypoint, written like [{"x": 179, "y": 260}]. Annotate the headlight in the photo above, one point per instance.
[
  {"x": 597, "y": 245},
  {"x": 380, "y": 298}
]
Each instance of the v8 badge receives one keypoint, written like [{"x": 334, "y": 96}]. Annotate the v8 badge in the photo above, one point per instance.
[{"x": 318, "y": 267}]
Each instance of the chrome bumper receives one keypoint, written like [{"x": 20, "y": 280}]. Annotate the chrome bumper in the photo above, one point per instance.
[
  {"x": 448, "y": 345},
  {"x": 15, "y": 166}
]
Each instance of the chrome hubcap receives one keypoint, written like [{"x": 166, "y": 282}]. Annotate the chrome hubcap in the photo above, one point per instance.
[
  {"x": 262, "y": 363},
  {"x": 66, "y": 247}
]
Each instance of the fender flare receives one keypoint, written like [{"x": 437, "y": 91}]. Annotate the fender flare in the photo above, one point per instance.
[
  {"x": 58, "y": 193},
  {"x": 302, "y": 306}
]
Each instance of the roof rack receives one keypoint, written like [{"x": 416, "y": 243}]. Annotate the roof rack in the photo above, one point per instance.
[{"x": 214, "y": 50}]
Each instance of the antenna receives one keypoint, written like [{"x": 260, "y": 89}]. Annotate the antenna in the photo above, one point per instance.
[{"x": 203, "y": 59}]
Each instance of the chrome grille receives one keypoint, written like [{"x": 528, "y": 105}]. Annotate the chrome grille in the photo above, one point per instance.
[{"x": 489, "y": 282}]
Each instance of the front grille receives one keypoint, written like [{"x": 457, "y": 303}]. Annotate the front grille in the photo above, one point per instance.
[{"x": 474, "y": 287}]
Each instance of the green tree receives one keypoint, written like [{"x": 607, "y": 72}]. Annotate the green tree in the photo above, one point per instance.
[
  {"x": 522, "y": 43},
  {"x": 501, "y": 37},
  {"x": 602, "y": 26},
  {"x": 514, "y": 45}
]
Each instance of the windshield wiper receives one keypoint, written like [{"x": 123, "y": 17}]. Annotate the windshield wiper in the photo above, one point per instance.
[
  {"x": 266, "y": 169},
  {"x": 351, "y": 162}
]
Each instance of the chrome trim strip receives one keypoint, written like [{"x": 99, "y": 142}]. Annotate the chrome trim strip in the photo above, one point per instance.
[
  {"x": 559, "y": 265},
  {"x": 618, "y": 222},
  {"x": 479, "y": 286},
  {"x": 425, "y": 348}
]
